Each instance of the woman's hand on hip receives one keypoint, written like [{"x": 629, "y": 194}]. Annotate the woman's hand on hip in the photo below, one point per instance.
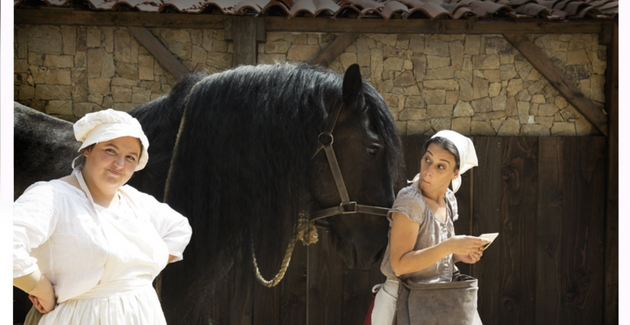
[{"x": 43, "y": 296}]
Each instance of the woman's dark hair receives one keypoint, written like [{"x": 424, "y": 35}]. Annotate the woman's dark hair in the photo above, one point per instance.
[
  {"x": 447, "y": 145},
  {"x": 79, "y": 161}
]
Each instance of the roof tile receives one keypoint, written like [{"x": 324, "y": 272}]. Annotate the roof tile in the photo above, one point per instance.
[
  {"x": 384, "y": 9},
  {"x": 431, "y": 10},
  {"x": 488, "y": 8},
  {"x": 533, "y": 10},
  {"x": 394, "y": 8}
]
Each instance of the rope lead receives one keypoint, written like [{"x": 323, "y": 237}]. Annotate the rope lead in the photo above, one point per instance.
[{"x": 306, "y": 232}]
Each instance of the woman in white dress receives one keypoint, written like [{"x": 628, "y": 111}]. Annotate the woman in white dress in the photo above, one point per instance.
[{"x": 87, "y": 247}]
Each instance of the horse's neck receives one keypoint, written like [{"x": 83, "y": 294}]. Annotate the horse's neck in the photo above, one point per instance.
[{"x": 307, "y": 201}]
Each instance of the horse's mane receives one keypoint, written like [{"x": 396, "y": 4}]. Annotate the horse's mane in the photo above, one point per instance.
[
  {"x": 224, "y": 178},
  {"x": 160, "y": 120}
]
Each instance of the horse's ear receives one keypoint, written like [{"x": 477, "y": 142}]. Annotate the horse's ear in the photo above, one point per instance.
[{"x": 353, "y": 87}]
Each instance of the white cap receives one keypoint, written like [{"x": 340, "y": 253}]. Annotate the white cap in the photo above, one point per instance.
[
  {"x": 466, "y": 150},
  {"x": 110, "y": 124}
]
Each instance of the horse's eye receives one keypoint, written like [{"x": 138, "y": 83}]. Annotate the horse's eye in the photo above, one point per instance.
[{"x": 374, "y": 149}]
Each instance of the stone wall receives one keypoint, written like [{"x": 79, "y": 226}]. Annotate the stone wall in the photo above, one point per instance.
[
  {"x": 474, "y": 84},
  {"x": 70, "y": 71}
]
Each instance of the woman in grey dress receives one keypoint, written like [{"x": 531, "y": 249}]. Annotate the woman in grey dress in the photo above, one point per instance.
[{"x": 423, "y": 246}]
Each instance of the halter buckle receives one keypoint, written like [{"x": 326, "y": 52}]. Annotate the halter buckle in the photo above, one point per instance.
[{"x": 349, "y": 208}]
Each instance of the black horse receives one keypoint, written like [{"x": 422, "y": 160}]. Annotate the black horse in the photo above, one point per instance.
[
  {"x": 43, "y": 147},
  {"x": 238, "y": 153}
]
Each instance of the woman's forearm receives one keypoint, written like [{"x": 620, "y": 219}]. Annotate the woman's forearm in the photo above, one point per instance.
[
  {"x": 28, "y": 282},
  {"x": 419, "y": 260}
]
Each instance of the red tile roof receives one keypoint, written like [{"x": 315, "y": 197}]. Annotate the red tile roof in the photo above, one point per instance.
[{"x": 380, "y": 9}]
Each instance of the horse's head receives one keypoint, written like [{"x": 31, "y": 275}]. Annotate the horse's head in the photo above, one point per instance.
[
  {"x": 367, "y": 148},
  {"x": 244, "y": 166}
]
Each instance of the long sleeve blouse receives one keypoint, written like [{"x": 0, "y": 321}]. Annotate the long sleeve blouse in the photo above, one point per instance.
[{"x": 58, "y": 231}]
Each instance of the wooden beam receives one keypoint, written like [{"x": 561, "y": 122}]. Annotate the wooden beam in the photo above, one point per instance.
[
  {"x": 559, "y": 81},
  {"x": 228, "y": 23},
  {"x": 611, "y": 257},
  {"x": 159, "y": 51},
  {"x": 113, "y": 18},
  {"x": 308, "y": 24},
  {"x": 332, "y": 51},
  {"x": 426, "y": 26}
]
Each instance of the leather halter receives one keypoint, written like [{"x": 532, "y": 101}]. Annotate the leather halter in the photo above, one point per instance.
[{"x": 326, "y": 140}]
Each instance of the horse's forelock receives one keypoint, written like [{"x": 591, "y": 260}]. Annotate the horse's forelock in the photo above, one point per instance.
[{"x": 381, "y": 118}]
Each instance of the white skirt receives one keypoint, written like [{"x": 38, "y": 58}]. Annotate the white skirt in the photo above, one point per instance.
[
  {"x": 128, "y": 305},
  {"x": 385, "y": 303}
]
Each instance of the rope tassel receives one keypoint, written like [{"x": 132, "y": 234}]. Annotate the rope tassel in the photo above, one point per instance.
[{"x": 305, "y": 232}]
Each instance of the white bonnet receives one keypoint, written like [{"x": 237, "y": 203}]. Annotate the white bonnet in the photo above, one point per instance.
[
  {"x": 466, "y": 150},
  {"x": 110, "y": 124}
]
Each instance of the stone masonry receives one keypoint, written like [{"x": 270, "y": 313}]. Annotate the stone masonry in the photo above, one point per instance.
[{"x": 474, "y": 84}]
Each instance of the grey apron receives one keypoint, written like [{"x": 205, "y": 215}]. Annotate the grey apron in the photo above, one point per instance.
[{"x": 442, "y": 303}]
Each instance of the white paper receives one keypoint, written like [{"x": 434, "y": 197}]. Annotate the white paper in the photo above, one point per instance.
[{"x": 490, "y": 237}]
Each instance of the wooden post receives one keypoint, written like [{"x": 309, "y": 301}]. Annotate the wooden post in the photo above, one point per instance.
[
  {"x": 245, "y": 33},
  {"x": 611, "y": 257}
]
